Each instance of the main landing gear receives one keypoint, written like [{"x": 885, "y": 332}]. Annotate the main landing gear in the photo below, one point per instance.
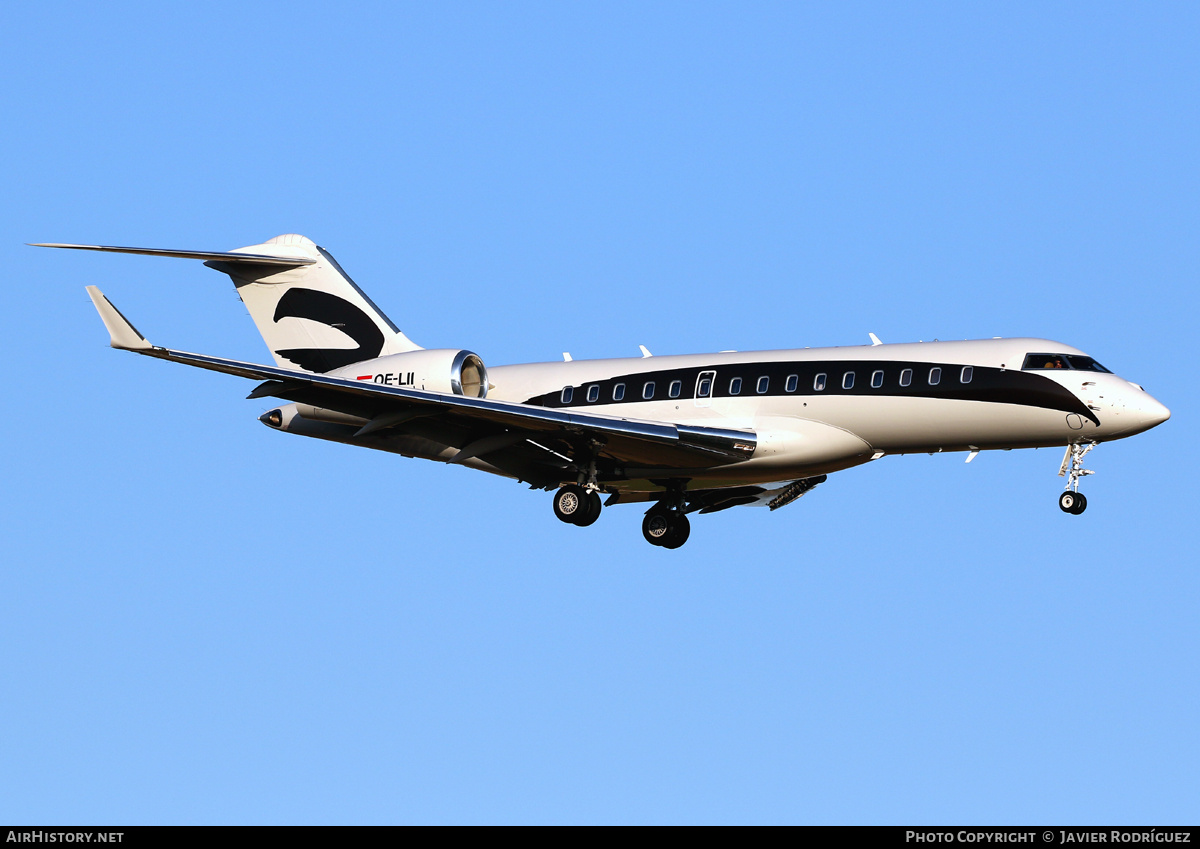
[
  {"x": 666, "y": 526},
  {"x": 577, "y": 505},
  {"x": 1072, "y": 500}
]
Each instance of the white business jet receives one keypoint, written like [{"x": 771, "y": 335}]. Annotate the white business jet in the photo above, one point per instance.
[{"x": 684, "y": 434}]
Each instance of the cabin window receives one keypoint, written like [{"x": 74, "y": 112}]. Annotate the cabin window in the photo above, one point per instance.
[
  {"x": 876, "y": 379},
  {"x": 819, "y": 383},
  {"x": 935, "y": 376},
  {"x": 593, "y": 393},
  {"x": 792, "y": 382},
  {"x": 735, "y": 386},
  {"x": 648, "y": 390},
  {"x": 567, "y": 393},
  {"x": 967, "y": 373},
  {"x": 906, "y": 377},
  {"x": 763, "y": 383},
  {"x": 619, "y": 392},
  {"x": 675, "y": 388},
  {"x": 705, "y": 387},
  {"x": 848, "y": 380}
]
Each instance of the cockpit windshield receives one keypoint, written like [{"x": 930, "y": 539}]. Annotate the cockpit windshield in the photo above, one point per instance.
[
  {"x": 1078, "y": 362},
  {"x": 1082, "y": 363}
]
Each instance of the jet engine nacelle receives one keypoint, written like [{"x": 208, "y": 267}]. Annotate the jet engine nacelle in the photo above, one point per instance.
[{"x": 447, "y": 370}]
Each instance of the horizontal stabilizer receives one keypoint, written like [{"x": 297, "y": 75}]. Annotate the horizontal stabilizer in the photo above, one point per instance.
[
  {"x": 121, "y": 333},
  {"x": 220, "y": 256}
]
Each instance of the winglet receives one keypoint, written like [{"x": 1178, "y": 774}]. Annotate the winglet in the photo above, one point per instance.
[{"x": 121, "y": 333}]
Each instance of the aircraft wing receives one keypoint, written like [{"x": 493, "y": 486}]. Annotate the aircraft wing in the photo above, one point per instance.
[{"x": 475, "y": 426}]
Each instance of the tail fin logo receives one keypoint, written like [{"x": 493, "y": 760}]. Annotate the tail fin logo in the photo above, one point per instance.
[{"x": 335, "y": 312}]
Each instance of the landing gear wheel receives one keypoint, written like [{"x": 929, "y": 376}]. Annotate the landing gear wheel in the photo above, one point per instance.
[
  {"x": 576, "y": 505},
  {"x": 591, "y": 509},
  {"x": 681, "y": 529},
  {"x": 571, "y": 502},
  {"x": 656, "y": 527},
  {"x": 1072, "y": 502},
  {"x": 667, "y": 529}
]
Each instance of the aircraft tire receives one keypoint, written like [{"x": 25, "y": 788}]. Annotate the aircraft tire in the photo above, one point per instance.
[
  {"x": 656, "y": 527},
  {"x": 681, "y": 529},
  {"x": 570, "y": 502},
  {"x": 1072, "y": 502},
  {"x": 1080, "y": 503},
  {"x": 591, "y": 509}
]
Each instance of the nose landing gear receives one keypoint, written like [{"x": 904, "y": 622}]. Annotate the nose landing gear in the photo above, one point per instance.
[{"x": 1072, "y": 500}]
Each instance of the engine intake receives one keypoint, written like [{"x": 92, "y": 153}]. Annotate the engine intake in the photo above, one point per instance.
[
  {"x": 446, "y": 370},
  {"x": 468, "y": 376}
]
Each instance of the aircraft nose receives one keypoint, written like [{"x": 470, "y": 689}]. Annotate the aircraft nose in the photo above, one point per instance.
[
  {"x": 1147, "y": 409},
  {"x": 1157, "y": 412}
]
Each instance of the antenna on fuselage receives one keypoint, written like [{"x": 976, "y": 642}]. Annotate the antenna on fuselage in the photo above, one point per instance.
[
  {"x": 874, "y": 340},
  {"x": 645, "y": 352}
]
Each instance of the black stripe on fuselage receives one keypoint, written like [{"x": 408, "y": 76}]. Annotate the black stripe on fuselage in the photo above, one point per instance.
[{"x": 991, "y": 385}]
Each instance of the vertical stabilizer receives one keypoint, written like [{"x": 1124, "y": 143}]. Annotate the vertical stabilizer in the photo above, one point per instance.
[{"x": 311, "y": 316}]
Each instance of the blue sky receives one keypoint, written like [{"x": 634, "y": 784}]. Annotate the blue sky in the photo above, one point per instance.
[{"x": 209, "y": 622}]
